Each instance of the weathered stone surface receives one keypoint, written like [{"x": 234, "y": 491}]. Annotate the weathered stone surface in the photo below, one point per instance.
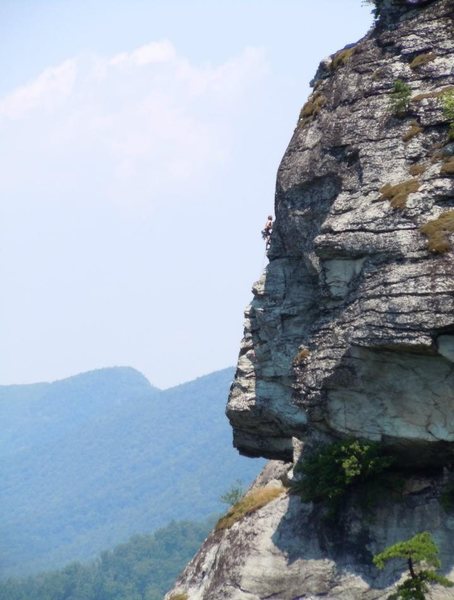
[
  {"x": 286, "y": 551},
  {"x": 445, "y": 344},
  {"x": 350, "y": 276},
  {"x": 351, "y": 328}
]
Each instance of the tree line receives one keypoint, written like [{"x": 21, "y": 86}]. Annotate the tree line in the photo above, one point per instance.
[{"x": 142, "y": 569}]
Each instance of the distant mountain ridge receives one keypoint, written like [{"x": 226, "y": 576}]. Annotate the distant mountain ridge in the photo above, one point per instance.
[
  {"x": 24, "y": 409},
  {"x": 90, "y": 460}
]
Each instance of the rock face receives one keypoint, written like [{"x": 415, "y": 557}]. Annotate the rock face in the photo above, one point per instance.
[
  {"x": 286, "y": 551},
  {"x": 351, "y": 329}
]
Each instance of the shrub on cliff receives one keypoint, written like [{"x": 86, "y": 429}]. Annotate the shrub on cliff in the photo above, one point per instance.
[
  {"x": 376, "y": 4},
  {"x": 421, "y": 553},
  {"x": 447, "y": 101},
  {"x": 400, "y": 98},
  {"x": 328, "y": 474},
  {"x": 234, "y": 494}
]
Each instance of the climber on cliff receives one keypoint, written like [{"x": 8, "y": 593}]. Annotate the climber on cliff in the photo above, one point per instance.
[{"x": 267, "y": 231}]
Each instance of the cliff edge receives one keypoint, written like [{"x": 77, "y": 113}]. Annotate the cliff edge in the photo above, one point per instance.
[{"x": 350, "y": 333}]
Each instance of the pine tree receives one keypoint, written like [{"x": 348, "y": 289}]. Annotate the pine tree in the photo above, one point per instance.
[{"x": 421, "y": 553}]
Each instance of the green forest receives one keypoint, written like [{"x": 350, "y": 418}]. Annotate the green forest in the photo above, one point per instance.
[
  {"x": 142, "y": 569},
  {"x": 91, "y": 460}
]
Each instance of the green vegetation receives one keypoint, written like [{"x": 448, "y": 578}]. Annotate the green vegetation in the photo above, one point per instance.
[
  {"x": 398, "y": 194},
  {"x": 414, "y": 130},
  {"x": 422, "y": 59},
  {"x": 142, "y": 569},
  {"x": 179, "y": 596},
  {"x": 94, "y": 459},
  {"x": 329, "y": 473},
  {"x": 438, "y": 232},
  {"x": 377, "y": 6},
  {"x": 447, "y": 100},
  {"x": 400, "y": 98},
  {"x": 234, "y": 494},
  {"x": 252, "y": 501},
  {"x": 419, "y": 551}
]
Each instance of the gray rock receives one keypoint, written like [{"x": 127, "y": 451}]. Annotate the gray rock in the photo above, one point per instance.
[
  {"x": 287, "y": 550},
  {"x": 445, "y": 344},
  {"x": 350, "y": 276},
  {"x": 339, "y": 273},
  {"x": 351, "y": 328},
  {"x": 448, "y": 150}
]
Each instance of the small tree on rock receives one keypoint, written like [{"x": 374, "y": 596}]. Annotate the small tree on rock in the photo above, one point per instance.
[
  {"x": 376, "y": 4},
  {"x": 400, "y": 98},
  {"x": 233, "y": 494},
  {"x": 421, "y": 554},
  {"x": 447, "y": 101}
]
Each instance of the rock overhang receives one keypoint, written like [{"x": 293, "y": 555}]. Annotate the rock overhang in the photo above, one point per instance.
[{"x": 351, "y": 280}]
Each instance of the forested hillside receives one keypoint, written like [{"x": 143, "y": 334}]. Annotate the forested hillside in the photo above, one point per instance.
[
  {"x": 91, "y": 460},
  {"x": 142, "y": 569}
]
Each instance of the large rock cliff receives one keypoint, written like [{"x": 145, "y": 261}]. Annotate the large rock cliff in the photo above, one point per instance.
[{"x": 351, "y": 329}]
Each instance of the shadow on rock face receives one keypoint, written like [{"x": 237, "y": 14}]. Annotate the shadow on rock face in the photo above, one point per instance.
[
  {"x": 338, "y": 551},
  {"x": 261, "y": 408},
  {"x": 399, "y": 398}
]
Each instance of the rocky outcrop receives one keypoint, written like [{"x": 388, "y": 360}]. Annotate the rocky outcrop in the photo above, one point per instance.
[
  {"x": 351, "y": 329},
  {"x": 287, "y": 551}
]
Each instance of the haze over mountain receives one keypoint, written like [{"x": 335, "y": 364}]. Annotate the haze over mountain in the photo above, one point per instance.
[
  {"x": 141, "y": 569},
  {"x": 90, "y": 460}
]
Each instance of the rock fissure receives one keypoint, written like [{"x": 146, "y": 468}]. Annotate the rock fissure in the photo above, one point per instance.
[{"x": 399, "y": 227}]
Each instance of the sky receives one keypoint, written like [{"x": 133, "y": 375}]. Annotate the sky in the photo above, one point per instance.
[{"x": 139, "y": 144}]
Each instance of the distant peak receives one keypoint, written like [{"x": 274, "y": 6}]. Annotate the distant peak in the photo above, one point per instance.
[{"x": 117, "y": 375}]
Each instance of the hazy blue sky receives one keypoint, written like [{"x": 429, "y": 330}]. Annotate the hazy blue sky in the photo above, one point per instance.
[{"x": 139, "y": 147}]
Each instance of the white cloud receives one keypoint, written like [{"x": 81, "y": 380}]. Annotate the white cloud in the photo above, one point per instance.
[
  {"x": 155, "y": 52},
  {"x": 52, "y": 86},
  {"x": 144, "y": 124}
]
